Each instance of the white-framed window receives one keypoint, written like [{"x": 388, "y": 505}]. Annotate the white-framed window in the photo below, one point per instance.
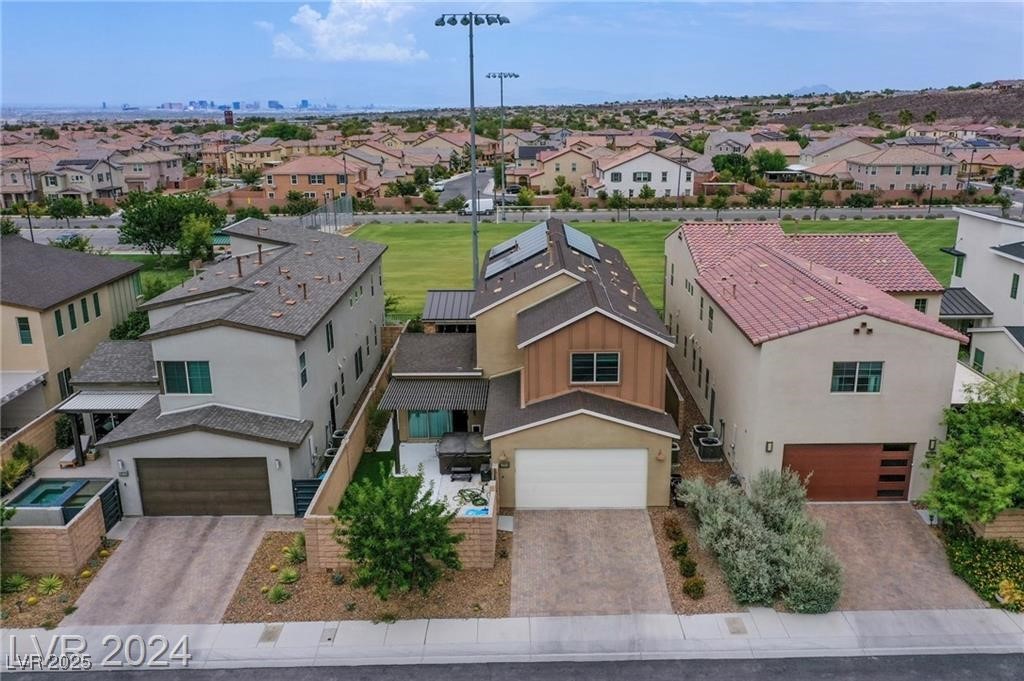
[
  {"x": 641, "y": 176},
  {"x": 946, "y": 170},
  {"x": 295, "y": 179},
  {"x": 303, "y": 376},
  {"x": 270, "y": 180},
  {"x": 558, "y": 167},
  {"x": 615, "y": 177},
  {"x": 664, "y": 176},
  {"x": 899, "y": 170},
  {"x": 572, "y": 167},
  {"x": 919, "y": 170},
  {"x": 921, "y": 305},
  {"x": 309, "y": 195},
  {"x": 316, "y": 179},
  {"x": 594, "y": 367},
  {"x": 856, "y": 377}
]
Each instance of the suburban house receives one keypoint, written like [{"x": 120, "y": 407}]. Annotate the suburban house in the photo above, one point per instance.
[
  {"x": 147, "y": 171},
  {"x": 560, "y": 393},
  {"x": 83, "y": 179},
  {"x": 260, "y": 360},
  {"x": 322, "y": 178},
  {"x": 57, "y": 305},
  {"x": 810, "y": 365},
  {"x": 17, "y": 183},
  {"x": 723, "y": 142},
  {"x": 628, "y": 172},
  {"x": 986, "y": 296},
  {"x": 569, "y": 163},
  {"x": 255, "y": 156},
  {"x": 833, "y": 149},
  {"x": 901, "y": 168}
]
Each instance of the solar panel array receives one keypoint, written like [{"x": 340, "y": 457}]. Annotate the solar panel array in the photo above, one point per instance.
[
  {"x": 517, "y": 249},
  {"x": 581, "y": 242}
]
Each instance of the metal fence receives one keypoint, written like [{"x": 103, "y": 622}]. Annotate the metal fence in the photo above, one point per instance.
[{"x": 332, "y": 216}]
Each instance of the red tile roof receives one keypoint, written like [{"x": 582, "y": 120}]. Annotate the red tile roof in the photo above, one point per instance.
[{"x": 770, "y": 294}]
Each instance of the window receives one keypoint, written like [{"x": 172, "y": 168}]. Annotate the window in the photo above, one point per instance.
[
  {"x": 921, "y": 305},
  {"x": 59, "y": 322},
  {"x": 958, "y": 265},
  {"x": 711, "y": 319},
  {"x": 664, "y": 176},
  {"x": 309, "y": 195},
  {"x": 367, "y": 345},
  {"x": 295, "y": 179},
  {"x": 24, "y": 331},
  {"x": 899, "y": 170},
  {"x": 359, "y": 363},
  {"x": 702, "y": 307},
  {"x": 946, "y": 170},
  {"x": 187, "y": 378},
  {"x": 641, "y": 176},
  {"x": 979, "y": 360},
  {"x": 700, "y": 372},
  {"x": 341, "y": 377},
  {"x": 316, "y": 179},
  {"x": 919, "y": 170},
  {"x": 270, "y": 180},
  {"x": 572, "y": 167},
  {"x": 594, "y": 367},
  {"x": 856, "y": 377},
  {"x": 558, "y": 167},
  {"x": 616, "y": 177},
  {"x": 693, "y": 359},
  {"x": 686, "y": 345},
  {"x": 672, "y": 275},
  {"x": 72, "y": 317},
  {"x": 1014, "y": 285},
  {"x": 429, "y": 424},
  {"x": 51, "y": 180},
  {"x": 330, "y": 336},
  {"x": 85, "y": 310},
  {"x": 342, "y": 179},
  {"x": 303, "y": 376},
  {"x": 335, "y": 394},
  {"x": 64, "y": 383},
  {"x": 707, "y": 382},
  {"x": 96, "y": 304}
]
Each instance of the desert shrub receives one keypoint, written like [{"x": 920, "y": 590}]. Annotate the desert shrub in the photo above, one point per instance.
[
  {"x": 687, "y": 567},
  {"x": 288, "y": 576},
  {"x": 673, "y": 527},
  {"x": 985, "y": 563},
  {"x": 779, "y": 498},
  {"x": 295, "y": 553},
  {"x": 13, "y": 583},
  {"x": 278, "y": 594},
  {"x": 12, "y": 472},
  {"x": 49, "y": 585},
  {"x": 694, "y": 587},
  {"x": 680, "y": 549},
  {"x": 25, "y": 452},
  {"x": 812, "y": 577}
]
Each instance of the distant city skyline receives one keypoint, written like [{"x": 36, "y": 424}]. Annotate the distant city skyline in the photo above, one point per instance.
[{"x": 390, "y": 55}]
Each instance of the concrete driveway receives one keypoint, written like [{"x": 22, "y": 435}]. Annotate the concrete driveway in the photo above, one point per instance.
[
  {"x": 175, "y": 570},
  {"x": 891, "y": 559},
  {"x": 599, "y": 562}
]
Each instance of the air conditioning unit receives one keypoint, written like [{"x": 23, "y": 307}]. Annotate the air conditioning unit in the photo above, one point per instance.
[
  {"x": 710, "y": 449},
  {"x": 699, "y": 431}
]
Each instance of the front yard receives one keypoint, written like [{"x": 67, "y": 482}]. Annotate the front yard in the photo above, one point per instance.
[
  {"x": 717, "y": 597},
  {"x": 318, "y": 596}
]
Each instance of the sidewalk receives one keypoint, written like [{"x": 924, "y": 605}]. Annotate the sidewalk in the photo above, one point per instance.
[{"x": 759, "y": 633}]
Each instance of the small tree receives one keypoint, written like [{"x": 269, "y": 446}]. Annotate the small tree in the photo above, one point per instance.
[
  {"x": 396, "y": 534},
  {"x": 647, "y": 192},
  {"x": 421, "y": 177},
  {"x": 1004, "y": 175},
  {"x": 7, "y": 227},
  {"x": 48, "y": 134},
  {"x": 499, "y": 174},
  {"x": 455, "y": 204},
  {"x": 134, "y": 325},
  {"x": 65, "y": 208},
  {"x": 249, "y": 212},
  {"x": 816, "y": 200},
  {"x": 74, "y": 242},
  {"x": 297, "y": 204},
  {"x": 525, "y": 197},
  {"x": 429, "y": 197},
  {"x": 719, "y": 201},
  {"x": 196, "y": 242},
  {"x": 617, "y": 201},
  {"x": 564, "y": 201},
  {"x": 760, "y": 198},
  {"x": 251, "y": 177},
  {"x": 796, "y": 198}
]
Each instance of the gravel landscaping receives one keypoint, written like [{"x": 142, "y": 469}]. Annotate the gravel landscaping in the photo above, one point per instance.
[
  {"x": 315, "y": 596},
  {"x": 48, "y": 612},
  {"x": 717, "y": 596}
]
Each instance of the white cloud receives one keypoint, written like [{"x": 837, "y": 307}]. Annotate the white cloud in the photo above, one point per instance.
[
  {"x": 352, "y": 30},
  {"x": 264, "y": 25}
]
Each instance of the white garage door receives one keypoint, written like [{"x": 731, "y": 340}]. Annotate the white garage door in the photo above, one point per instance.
[{"x": 581, "y": 478}]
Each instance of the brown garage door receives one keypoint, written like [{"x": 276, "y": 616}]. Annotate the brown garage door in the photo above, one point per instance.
[
  {"x": 852, "y": 472},
  {"x": 204, "y": 486}
]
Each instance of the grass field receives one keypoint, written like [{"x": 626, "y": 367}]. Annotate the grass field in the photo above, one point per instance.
[
  {"x": 156, "y": 268},
  {"x": 424, "y": 256}
]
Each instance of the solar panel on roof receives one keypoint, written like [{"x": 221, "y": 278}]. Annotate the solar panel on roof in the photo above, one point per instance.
[
  {"x": 581, "y": 242},
  {"x": 528, "y": 244}
]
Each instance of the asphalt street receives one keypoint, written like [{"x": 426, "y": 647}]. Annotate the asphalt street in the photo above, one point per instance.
[
  {"x": 460, "y": 185},
  {"x": 908, "y": 668}
]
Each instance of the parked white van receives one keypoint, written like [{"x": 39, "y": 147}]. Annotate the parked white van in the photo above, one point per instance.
[{"x": 484, "y": 207}]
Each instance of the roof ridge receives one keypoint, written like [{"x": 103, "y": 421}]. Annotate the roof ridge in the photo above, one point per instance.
[{"x": 816, "y": 278}]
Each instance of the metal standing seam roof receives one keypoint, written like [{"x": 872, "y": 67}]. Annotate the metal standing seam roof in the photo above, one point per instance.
[
  {"x": 430, "y": 394},
  {"x": 448, "y": 305},
  {"x": 1014, "y": 250},
  {"x": 16, "y": 383},
  {"x": 102, "y": 401},
  {"x": 1017, "y": 332},
  {"x": 959, "y": 302}
]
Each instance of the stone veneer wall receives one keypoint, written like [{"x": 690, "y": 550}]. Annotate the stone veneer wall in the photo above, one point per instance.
[
  {"x": 62, "y": 550},
  {"x": 1007, "y": 525}
]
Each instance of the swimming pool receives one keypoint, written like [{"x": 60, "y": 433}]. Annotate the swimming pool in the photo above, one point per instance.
[{"x": 49, "y": 493}]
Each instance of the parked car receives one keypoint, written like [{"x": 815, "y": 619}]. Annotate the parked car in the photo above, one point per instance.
[
  {"x": 482, "y": 170},
  {"x": 483, "y": 207},
  {"x": 512, "y": 189},
  {"x": 438, "y": 186}
]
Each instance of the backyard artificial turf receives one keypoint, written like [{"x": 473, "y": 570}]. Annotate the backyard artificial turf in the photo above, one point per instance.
[{"x": 437, "y": 256}]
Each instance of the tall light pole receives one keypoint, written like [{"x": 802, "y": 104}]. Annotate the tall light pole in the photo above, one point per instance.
[
  {"x": 501, "y": 76},
  {"x": 472, "y": 19}
]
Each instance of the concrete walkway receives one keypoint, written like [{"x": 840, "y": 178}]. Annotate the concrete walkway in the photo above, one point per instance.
[{"x": 759, "y": 633}]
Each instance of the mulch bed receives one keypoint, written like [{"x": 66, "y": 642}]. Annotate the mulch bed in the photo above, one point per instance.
[
  {"x": 315, "y": 597},
  {"x": 50, "y": 610},
  {"x": 717, "y": 596}
]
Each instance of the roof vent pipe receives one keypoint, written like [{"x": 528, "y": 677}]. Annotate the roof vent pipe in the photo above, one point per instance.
[
  {"x": 259, "y": 254},
  {"x": 238, "y": 261},
  {"x": 304, "y": 294},
  {"x": 635, "y": 287}
]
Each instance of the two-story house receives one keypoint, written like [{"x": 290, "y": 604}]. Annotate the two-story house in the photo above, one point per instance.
[
  {"x": 563, "y": 381},
  {"x": 833, "y": 149},
  {"x": 56, "y": 305},
  {"x": 255, "y": 156},
  {"x": 322, "y": 178},
  {"x": 17, "y": 183},
  {"x": 901, "y": 168},
  {"x": 82, "y": 179},
  {"x": 986, "y": 295},
  {"x": 260, "y": 360},
  {"x": 630, "y": 171},
  {"x": 805, "y": 365},
  {"x": 148, "y": 171}
]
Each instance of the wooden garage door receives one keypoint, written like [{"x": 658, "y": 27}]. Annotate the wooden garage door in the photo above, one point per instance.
[
  {"x": 204, "y": 486},
  {"x": 852, "y": 472}
]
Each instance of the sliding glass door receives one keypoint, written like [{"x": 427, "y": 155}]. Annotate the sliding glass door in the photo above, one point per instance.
[{"x": 429, "y": 425}]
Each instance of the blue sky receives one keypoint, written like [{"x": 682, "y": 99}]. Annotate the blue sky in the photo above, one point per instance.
[{"x": 390, "y": 54}]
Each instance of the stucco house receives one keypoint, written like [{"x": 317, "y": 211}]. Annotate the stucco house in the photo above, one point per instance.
[
  {"x": 260, "y": 360},
  {"x": 986, "y": 295},
  {"x": 147, "y": 171},
  {"x": 809, "y": 365},
  {"x": 560, "y": 393},
  {"x": 56, "y": 306},
  {"x": 833, "y": 149},
  {"x": 901, "y": 168},
  {"x": 83, "y": 179},
  {"x": 629, "y": 171}
]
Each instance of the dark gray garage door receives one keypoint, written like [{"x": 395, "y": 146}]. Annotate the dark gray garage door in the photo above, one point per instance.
[{"x": 204, "y": 486}]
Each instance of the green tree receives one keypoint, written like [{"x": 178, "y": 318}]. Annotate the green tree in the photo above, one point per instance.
[
  {"x": 697, "y": 143},
  {"x": 525, "y": 197},
  {"x": 455, "y": 204},
  {"x": 719, "y": 201},
  {"x": 748, "y": 119},
  {"x": 401, "y": 188},
  {"x": 647, "y": 192},
  {"x": 931, "y": 117},
  {"x": 737, "y": 164},
  {"x": 979, "y": 470},
  {"x": 6, "y": 513},
  {"x": 249, "y": 212},
  {"x": 760, "y": 198},
  {"x": 918, "y": 191},
  {"x": 74, "y": 242},
  {"x": 1004, "y": 175},
  {"x": 859, "y": 200},
  {"x": 284, "y": 130},
  {"x": 134, "y": 325},
  {"x": 816, "y": 200},
  {"x": 196, "y": 242},
  {"x": 796, "y": 198},
  {"x": 564, "y": 201},
  {"x": 251, "y": 177},
  {"x": 297, "y": 204},
  {"x": 499, "y": 174},
  {"x": 65, "y": 208},
  {"x": 153, "y": 221},
  {"x": 48, "y": 134},
  {"x": 875, "y": 120},
  {"x": 617, "y": 201},
  {"x": 8, "y": 227},
  {"x": 98, "y": 209},
  {"x": 765, "y": 160},
  {"x": 906, "y": 117},
  {"x": 429, "y": 197},
  {"x": 421, "y": 178},
  {"x": 396, "y": 534}
]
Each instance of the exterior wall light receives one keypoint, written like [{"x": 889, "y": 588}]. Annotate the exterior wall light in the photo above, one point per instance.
[{"x": 768, "y": 447}]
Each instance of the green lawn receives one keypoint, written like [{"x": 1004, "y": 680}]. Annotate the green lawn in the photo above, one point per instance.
[
  {"x": 157, "y": 268},
  {"x": 425, "y": 256}
]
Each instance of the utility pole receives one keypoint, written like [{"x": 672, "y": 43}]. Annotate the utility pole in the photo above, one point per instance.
[{"x": 501, "y": 89}]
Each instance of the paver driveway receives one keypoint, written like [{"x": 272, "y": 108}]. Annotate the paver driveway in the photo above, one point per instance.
[
  {"x": 891, "y": 559},
  {"x": 175, "y": 570},
  {"x": 586, "y": 563}
]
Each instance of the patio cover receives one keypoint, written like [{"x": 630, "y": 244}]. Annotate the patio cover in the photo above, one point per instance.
[
  {"x": 16, "y": 383},
  {"x": 435, "y": 394},
  {"x": 104, "y": 402}
]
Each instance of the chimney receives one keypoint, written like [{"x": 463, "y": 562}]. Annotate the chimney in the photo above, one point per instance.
[
  {"x": 238, "y": 261},
  {"x": 259, "y": 254}
]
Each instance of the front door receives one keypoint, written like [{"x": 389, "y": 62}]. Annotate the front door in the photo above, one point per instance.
[{"x": 460, "y": 421}]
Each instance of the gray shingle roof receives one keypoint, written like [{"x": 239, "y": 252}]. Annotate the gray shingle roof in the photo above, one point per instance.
[
  {"x": 435, "y": 393},
  {"x": 288, "y": 294},
  {"x": 959, "y": 302},
  {"x": 505, "y": 414},
  {"x": 435, "y": 353},
  {"x": 148, "y": 423},
  {"x": 446, "y": 305},
  {"x": 123, "y": 361},
  {"x": 1017, "y": 332},
  {"x": 535, "y": 320},
  {"x": 1015, "y": 250},
  {"x": 39, "y": 276}
]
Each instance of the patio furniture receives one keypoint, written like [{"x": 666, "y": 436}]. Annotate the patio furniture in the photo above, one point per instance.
[
  {"x": 69, "y": 460},
  {"x": 462, "y": 450}
]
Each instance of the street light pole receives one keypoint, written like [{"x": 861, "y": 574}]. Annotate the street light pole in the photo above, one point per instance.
[
  {"x": 501, "y": 76},
  {"x": 472, "y": 19},
  {"x": 28, "y": 204}
]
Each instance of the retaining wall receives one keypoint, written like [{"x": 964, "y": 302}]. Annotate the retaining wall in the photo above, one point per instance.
[{"x": 62, "y": 550}]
